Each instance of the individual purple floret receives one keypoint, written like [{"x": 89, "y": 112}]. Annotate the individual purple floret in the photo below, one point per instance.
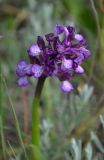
[
  {"x": 20, "y": 69},
  {"x": 23, "y": 82},
  {"x": 58, "y": 54},
  {"x": 66, "y": 86},
  {"x": 34, "y": 50}
]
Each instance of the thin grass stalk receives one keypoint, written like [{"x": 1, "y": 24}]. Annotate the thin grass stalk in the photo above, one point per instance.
[
  {"x": 1, "y": 118},
  {"x": 15, "y": 118},
  {"x": 2, "y": 138},
  {"x": 96, "y": 17},
  {"x": 12, "y": 150}
]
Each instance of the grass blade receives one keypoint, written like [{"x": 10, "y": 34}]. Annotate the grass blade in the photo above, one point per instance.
[{"x": 15, "y": 118}]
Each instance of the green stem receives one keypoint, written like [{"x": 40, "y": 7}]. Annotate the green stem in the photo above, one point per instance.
[{"x": 35, "y": 114}]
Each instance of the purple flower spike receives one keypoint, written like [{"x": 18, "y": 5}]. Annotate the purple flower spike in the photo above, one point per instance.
[
  {"x": 37, "y": 70},
  {"x": 66, "y": 86},
  {"x": 20, "y": 68},
  {"x": 58, "y": 54},
  {"x": 22, "y": 82},
  {"x": 34, "y": 50},
  {"x": 79, "y": 70}
]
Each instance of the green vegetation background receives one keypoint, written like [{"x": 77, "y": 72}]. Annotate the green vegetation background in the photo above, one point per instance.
[{"x": 72, "y": 125}]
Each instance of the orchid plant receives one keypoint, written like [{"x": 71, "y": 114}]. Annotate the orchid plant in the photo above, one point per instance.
[{"x": 59, "y": 54}]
